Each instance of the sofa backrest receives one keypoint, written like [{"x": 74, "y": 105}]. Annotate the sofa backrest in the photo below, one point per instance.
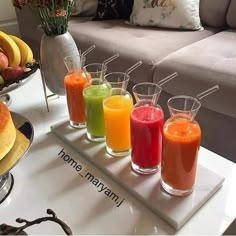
[
  {"x": 231, "y": 16},
  {"x": 213, "y": 12},
  {"x": 29, "y": 30}
]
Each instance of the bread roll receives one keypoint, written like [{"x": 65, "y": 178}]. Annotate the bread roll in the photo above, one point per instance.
[
  {"x": 7, "y": 131},
  {"x": 20, "y": 146}
]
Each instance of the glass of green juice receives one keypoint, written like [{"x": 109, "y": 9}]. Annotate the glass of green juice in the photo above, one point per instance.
[{"x": 94, "y": 94}]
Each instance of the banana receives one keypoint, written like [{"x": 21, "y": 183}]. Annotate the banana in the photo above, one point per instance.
[
  {"x": 30, "y": 56},
  {"x": 10, "y": 48},
  {"x": 25, "y": 50}
]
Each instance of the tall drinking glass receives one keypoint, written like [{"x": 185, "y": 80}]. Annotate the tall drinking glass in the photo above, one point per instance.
[
  {"x": 181, "y": 142},
  {"x": 117, "y": 108},
  {"x": 74, "y": 82},
  {"x": 147, "y": 121},
  {"x": 93, "y": 95}
]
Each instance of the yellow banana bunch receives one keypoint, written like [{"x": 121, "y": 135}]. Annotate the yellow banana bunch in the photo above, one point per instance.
[
  {"x": 25, "y": 51},
  {"x": 10, "y": 48},
  {"x": 17, "y": 51}
]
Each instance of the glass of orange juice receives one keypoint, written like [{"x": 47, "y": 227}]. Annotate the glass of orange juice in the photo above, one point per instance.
[
  {"x": 75, "y": 81},
  {"x": 117, "y": 109},
  {"x": 181, "y": 142}
]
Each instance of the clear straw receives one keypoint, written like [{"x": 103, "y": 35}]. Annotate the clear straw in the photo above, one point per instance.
[
  {"x": 88, "y": 50},
  {"x": 207, "y": 92},
  {"x": 110, "y": 59},
  {"x": 168, "y": 78},
  {"x": 134, "y": 67}
]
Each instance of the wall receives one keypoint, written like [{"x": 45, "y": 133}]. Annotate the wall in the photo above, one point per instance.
[{"x": 8, "y": 21}]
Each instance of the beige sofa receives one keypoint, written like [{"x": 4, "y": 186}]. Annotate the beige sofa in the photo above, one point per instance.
[{"x": 202, "y": 59}]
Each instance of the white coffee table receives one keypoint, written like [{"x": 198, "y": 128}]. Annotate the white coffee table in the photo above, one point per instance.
[{"x": 43, "y": 181}]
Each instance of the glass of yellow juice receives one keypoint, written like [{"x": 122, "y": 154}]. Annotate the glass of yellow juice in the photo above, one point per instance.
[{"x": 117, "y": 108}]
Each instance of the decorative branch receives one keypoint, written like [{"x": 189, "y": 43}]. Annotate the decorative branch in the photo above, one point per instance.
[{"x": 6, "y": 229}]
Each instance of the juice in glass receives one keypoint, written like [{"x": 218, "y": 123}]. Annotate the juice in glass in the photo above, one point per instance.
[
  {"x": 117, "y": 109},
  {"x": 146, "y": 138},
  {"x": 146, "y": 129},
  {"x": 74, "y": 85},
  {"x": 181, "y": 142},
  {"x": 93, "y": 100}
]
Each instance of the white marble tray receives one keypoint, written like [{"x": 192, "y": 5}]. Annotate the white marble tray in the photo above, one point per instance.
[{"x": 175, "y": 210}]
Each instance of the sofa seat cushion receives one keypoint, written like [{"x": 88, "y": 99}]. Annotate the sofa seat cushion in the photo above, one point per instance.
[
  {"x": 202, "y": 65},
  {"x": 133, "y": 43}
]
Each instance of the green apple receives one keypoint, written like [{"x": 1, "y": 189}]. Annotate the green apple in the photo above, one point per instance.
[{"x": 1, "y": 80}]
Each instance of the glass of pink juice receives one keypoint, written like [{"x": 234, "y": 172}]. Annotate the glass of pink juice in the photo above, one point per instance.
[{"x": 147, "y": 121}]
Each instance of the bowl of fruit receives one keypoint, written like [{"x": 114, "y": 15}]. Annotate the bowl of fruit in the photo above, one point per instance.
[{"x": 17, "y": 64}]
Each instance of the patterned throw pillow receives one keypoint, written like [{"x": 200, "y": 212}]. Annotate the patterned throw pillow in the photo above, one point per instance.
[
  {"x": 84, "y": 8},
  {"x": 113, "y": 9},
  {"x": 180, "y": 14}
]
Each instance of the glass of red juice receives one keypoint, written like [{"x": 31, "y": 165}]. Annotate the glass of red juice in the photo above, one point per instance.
[
  {"x": 147, "y": 121},
  {"x": 181, "y": 142}
]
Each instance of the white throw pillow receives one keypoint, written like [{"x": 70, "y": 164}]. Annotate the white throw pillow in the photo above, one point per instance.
[
  {"x": 84, "y": 8},
  {"x": 180, "y": 14}
]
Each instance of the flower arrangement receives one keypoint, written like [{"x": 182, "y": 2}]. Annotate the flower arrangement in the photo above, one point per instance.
[{"x": 52, "y": 14}]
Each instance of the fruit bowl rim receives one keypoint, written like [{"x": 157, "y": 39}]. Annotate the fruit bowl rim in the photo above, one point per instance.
[{"x": 18, "y": 82}]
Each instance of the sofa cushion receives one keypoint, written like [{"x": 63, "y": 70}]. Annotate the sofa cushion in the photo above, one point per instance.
[
  {"x": 202, "y": 65},
  {"x": 113, "y": 9},
  {"x": 213, "y": 12},
  {"x": 178, "y": 14},
  {"x": 84, "y": 8},
  {"x": 150, "y": 45},
  {"x": 231, "y": 16}
]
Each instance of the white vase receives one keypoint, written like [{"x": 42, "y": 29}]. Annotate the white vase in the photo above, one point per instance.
[{"x": 53, "y": 50}]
